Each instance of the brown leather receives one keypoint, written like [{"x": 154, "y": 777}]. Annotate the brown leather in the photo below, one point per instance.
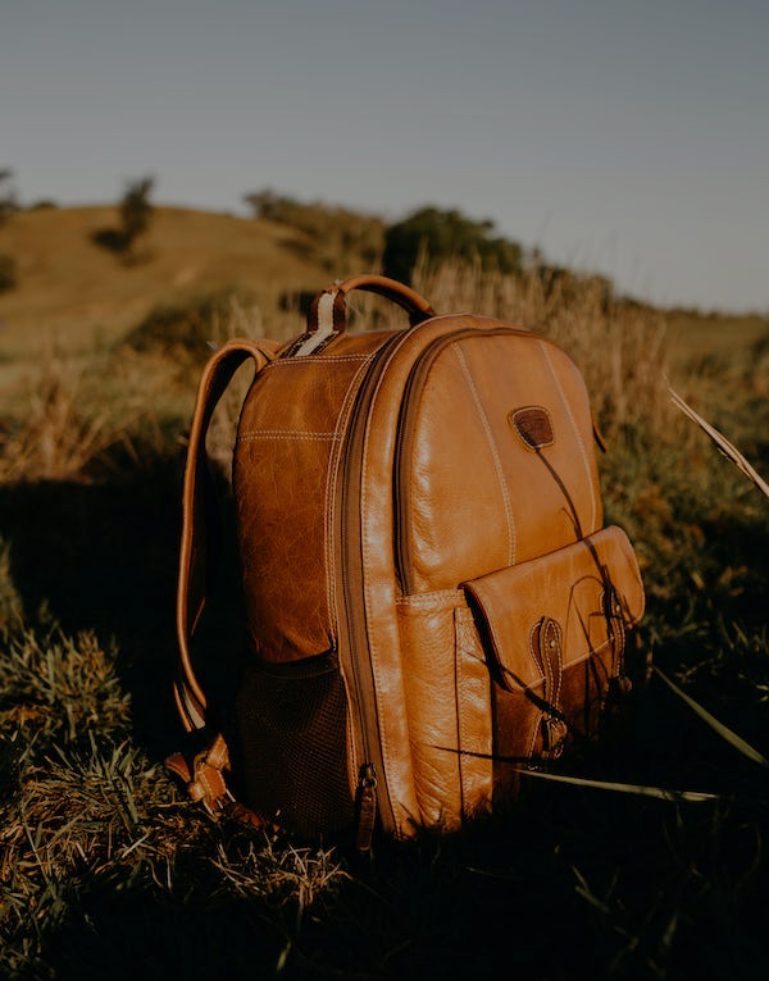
[
  {"x": 191, "y": 591},
  {"x": 204, "y": 777},
  {"x": 418, "y": 511},
  {"x": 569, "y": 586}
]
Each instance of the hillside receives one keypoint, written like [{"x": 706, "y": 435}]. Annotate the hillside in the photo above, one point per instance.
[
  {"x": 81, "y": 292},
  {"x": 82, "y": 296}
]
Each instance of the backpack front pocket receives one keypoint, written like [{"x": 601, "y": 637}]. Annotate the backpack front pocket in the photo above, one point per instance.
[
  {"x": 504, "y": 672},
  {"x": 554, "y": 631}
]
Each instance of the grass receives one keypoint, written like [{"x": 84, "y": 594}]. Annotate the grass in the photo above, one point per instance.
[{"x": 105, "y": 870}]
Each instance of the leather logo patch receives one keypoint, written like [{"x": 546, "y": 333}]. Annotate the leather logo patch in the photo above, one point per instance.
[{"x": 532, "y": 423}]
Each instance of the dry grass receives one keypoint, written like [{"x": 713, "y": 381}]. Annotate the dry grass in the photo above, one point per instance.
[
  {"x": 52, "y": 438},
  {"x": 106, "y": 872},
  {"x": 69, "y": 287}
]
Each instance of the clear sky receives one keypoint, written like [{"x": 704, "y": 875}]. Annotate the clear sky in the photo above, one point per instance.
[{"x": 629, "y": 137}]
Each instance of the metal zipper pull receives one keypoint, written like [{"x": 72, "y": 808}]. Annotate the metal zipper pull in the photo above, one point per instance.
[{"x": 366, "y": 807}]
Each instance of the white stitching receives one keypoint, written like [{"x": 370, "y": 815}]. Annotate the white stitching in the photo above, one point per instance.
[
  {"x": 537, "y": 657},
  {"x": 512, "y": 417},
  {"x": 591, "y": 652},
  {"x": 330, "y": 494},
  {"x": 450, "y": 598},
  {"x": 574, "y": 426},
  {"x": 248, "y": 437},
  {"x": 324, "y": 359},
  {"x": 494, "y": 453},
  {"x": 557, "y": 693}
]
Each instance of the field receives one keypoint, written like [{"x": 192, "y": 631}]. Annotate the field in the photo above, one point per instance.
[{"x": 107, "y": 871}]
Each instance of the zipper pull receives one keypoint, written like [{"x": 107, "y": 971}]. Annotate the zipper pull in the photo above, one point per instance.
[{"x": 366, "y": 807}]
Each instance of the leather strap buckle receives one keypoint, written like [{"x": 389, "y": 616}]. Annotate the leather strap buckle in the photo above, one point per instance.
[{"x": 215, "y": 806}]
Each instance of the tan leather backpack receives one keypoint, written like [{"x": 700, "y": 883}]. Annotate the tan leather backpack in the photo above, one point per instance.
[{"x": 432, "y": 600}]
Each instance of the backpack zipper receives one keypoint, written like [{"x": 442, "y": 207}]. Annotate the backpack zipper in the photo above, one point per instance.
[
  {"x": 405, "y": 436},
  {"x": 372, "y": 793}
]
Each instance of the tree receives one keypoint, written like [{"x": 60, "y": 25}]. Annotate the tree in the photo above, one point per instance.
[
  {"x": 136, "y": 213},
  {"x": 9, "y": 203},
  {"x": 442, "y": 235},
  {"x": 342, "y": 240},
  {"x": 136, "y": 210},
  {"x": 8, "y": 278}
]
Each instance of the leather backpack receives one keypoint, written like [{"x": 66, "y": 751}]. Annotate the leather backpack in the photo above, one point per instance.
[{"x": 432, "y": 602}]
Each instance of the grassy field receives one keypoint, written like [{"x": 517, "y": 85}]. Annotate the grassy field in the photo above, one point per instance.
[{"x": 105, "y": 869}]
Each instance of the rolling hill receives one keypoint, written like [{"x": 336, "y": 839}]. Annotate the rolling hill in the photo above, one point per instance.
[{"x": 77, "y": 291}]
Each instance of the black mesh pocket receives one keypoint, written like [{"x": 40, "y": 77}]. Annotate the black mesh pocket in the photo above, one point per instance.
[{"x": 292, "y": 728}]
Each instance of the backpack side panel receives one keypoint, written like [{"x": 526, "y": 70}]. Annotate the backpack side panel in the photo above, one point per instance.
[{"x": 293, "y": 742}]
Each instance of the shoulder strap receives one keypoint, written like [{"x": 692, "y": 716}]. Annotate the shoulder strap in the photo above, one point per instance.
[
  {"x": 196, "y": 506},
  {"x": 203, "y": 774}
]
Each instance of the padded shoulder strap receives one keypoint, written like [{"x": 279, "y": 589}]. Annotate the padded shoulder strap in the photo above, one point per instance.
[{"x": 196, "y": 505}]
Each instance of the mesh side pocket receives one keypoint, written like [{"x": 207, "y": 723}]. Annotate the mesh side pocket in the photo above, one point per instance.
[{"x": 292, "y": 734}]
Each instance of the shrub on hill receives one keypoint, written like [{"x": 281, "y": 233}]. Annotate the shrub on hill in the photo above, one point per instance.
[
  {"x": 439, "y": 235},
  {"x": 8, "y": 277},
  {"x": 187, "y": 330},
  {"x": 9, "y": 203},
  {"x": 342, "y": 240},
  {"x": 135, "y": 212}
]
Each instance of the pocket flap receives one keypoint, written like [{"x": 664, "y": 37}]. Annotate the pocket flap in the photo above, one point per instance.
[{"x": 574, "y": 587}]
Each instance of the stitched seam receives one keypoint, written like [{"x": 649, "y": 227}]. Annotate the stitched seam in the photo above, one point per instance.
[
  {"x": 326, "y": 359},
  {"x": 287, "y": 432},
  {"x": 284, "y": 434},
  {"x": 330, "y": 494},
  {"x": 559, "y": 651},
  {"x": 571, "y": 664},
  {"x": 583, "y": 452},
  {"x": 458, "y": 643},
  {"x": 476, "y": 774},
  {"x": 494, "y": 453},
  {"x": 433, "y": 600},
  {"x": 513, "y": 419},
  {"x": 538, "y": 660}
]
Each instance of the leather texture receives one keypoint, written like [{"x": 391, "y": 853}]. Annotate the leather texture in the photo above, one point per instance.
[{"x": 421, "y": 510}]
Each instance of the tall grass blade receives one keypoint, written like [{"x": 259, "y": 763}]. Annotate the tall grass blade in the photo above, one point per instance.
[
  {"x": 729, "y": 450},
  {"x": 723, "y": 731},
  {"x": 660, "y": 793}
]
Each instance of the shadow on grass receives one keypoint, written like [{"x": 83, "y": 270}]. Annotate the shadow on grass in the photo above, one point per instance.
[
  {"x": 570, "y": 883},
  {"x": 604, "y": 887},
  {"x": 103, "y": 556}
]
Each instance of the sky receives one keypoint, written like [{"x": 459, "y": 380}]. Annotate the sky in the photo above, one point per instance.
[{"x": 630, "y": 138}]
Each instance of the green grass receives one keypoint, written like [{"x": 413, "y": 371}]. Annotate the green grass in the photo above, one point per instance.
[{"x": 107, "y": 871}]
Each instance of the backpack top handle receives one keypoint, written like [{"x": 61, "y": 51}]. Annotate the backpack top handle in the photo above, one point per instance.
[{"x": 328, "y": 314}]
